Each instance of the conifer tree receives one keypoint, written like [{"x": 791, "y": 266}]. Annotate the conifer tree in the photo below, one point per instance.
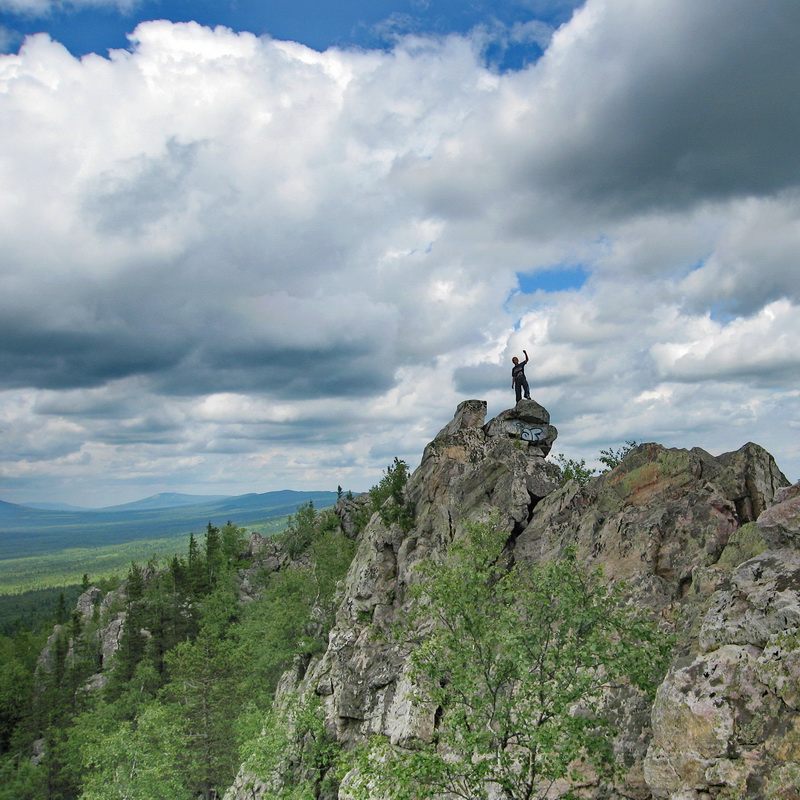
[
  {"x": 213, "y": 555},
  {"x": 196, "y": 569},
  {"x": 204, "y": 698},
  {"x": 233, "y": 542},
  {"x": 61, "y": 610}
]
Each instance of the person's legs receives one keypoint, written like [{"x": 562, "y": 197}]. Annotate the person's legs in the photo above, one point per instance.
[
  {"x": 518, "y": 389},
  {"x": 527, "y": 390}
]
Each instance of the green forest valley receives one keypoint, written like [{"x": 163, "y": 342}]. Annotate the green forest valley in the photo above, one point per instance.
[
  {"x": 44, "y": 548},
  {"x": 177, "y": 708},
  {"x": 192, "y": 678}
]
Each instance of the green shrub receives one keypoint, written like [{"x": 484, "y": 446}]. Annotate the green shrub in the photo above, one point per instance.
[{"x": 514, "y": 654}]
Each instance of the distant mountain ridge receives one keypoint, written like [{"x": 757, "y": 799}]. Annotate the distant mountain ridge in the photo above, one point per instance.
[
  {"x": 55, "y": 506},
  {"x": 28, "y": 531},
  {"x": 168, "y": 500}
]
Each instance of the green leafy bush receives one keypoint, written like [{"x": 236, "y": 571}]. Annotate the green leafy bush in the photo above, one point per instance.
[
  {"x": 300, "y": 530},
  {"x": 611, "y": 458},
  {"x": 576, "y": 469},
  {"x": 513, "y": 673},
  {"x": 573, "y": 470}
]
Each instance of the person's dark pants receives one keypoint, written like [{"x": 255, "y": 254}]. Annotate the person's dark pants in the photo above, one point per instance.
[{"x": 521, "y": 384}]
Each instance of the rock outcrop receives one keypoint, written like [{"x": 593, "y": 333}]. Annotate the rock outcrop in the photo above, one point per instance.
[
  {"x": 662, "y": 522},
  {"x": 708, "y": 543},
  {"x": 90, "y": 606},
  {"x": 467, "y": 472},
  {"x": 725, "y": 720}
]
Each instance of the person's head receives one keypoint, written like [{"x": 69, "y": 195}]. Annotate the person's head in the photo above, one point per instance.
[{"x": 515, "y": 360}]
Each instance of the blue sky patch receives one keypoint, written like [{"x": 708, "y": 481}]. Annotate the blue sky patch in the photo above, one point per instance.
[
  {"x": 552, "y": 280},
  {"x": 721, "y": 312},
  {"x": 321, "y": 24}
]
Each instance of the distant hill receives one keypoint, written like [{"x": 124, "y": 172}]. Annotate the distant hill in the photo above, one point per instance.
[
  {"x": 169, "y": 500},
  {"x": 12, "y": 511},
  {"x": 55, "y": 506},
  {"x": 27, "y": 531}
]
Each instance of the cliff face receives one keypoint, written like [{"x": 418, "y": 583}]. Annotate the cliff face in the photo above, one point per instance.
[
  {"x": 467, "y": 472},
  {"x": 709, "y": 544}
]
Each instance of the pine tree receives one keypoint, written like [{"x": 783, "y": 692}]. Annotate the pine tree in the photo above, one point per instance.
[
  {"x": 196, "y": 570},
  {"x": 232, "y": 543},
  {"x": 204, "y": 698},
  {"x": 214, "y": 560},
  {"x": 61, "y": 610}
]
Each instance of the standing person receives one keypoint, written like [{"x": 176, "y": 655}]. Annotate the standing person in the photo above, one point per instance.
[{"x": 518, "y": 379}]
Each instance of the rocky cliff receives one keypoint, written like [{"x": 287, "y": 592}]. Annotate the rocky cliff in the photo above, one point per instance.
[{"x": 709, "y": 544}]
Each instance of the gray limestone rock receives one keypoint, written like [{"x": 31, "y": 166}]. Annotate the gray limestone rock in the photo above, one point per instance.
[
  {"x": 88, "y": 604},
  {"x": 762, "y": 598},
  {"x": 786, "y": 493},
  {"x": 780, "y": 524},
  {"x": 751, "y": 478},
  {"x": 659, "y": 514},
  {"x": 469, "y": 414},
  {"x": 659, "y": 521},
  {"x": 39, "y": 751},
  {"x": 45, "y": 662},
  {"x": 677, "y": 526},
  {"x": 726, "y": 722},
  {"x": 527, "y": 423},
  {"x": 349, "y": 510},
  {"x": 712, "y": 720}
]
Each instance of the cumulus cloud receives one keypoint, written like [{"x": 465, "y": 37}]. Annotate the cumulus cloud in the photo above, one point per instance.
[
  {"x": 238, "y": 262},
  {"x": 762, "y": 347},
  {"x": 637, "y": 105}
]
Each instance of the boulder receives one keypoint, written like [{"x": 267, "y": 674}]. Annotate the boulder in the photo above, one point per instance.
[
  {"x": 527, "y": 423},
  {"x": 88, "y": 603},
  {"x": 780, "y": 524}
]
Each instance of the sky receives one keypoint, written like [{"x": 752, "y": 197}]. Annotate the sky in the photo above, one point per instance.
[{"x": 250, "y": 246}]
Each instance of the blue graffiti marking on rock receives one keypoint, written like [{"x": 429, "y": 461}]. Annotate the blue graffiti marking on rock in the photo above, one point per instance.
[{"x": 529, "y": 434}]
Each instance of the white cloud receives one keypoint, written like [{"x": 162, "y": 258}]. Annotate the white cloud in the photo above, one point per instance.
[
  {"x": 253, "y": 265},
  {"x": 761, "y": 348},
  {"x": 755, "y": 258}
]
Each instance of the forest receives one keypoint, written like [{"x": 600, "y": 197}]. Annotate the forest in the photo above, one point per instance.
[{"x": 191, "y": 682}]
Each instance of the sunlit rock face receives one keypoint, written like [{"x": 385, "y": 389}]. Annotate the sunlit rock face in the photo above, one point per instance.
[
  {"x": 667, "y": 522},
  {"x": 697, "y": 539},
  {"x": 725, "y": 720}
]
